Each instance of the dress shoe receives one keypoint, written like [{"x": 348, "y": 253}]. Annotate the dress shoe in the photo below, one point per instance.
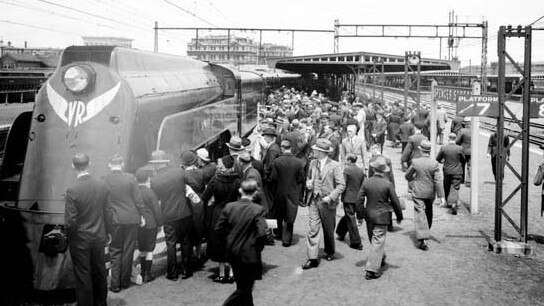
[
  {"x": 372, "y": 275},
  {"x": 329, "y": 257},
  {"x": 285, "y": 245},
  {"x": 383, "y": 260},
  {"x": 115, "y": 289},
  {"x": 454, "y": 210},
  {"x": 229, "y": 280},
  {"x": 423, "y": 245},
  {"x": 311, "y": 263},
  {"x": 356, "y": 246},
  {"x": 340, "y": 238},
  {"x": 172, "y": 277},
  {"x": 219, "y": 279},
  {"x": 186, "y": 274}
]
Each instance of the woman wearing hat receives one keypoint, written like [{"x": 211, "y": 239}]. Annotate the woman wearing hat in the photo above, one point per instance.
[{"x": 224, "y": 188}]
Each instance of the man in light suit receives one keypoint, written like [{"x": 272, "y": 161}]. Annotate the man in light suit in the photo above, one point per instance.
[
  {"x": 355, "y": 145},
  {"x": 325, "y": 181},
  {"x": 425, "y": 179}
]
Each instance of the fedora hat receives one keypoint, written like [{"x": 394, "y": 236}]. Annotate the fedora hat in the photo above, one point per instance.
[
  {"x": 159, "y": 157},
  {"x": 203, "y": 154},
  {"x": 380, "y": 164},
  {"x": 425, "y": 146},
  {"x": 323, "y": 145},
  {"x": 235, "y": 143},
  {"x": 270, "y": 131},
  {"x": 359, "y": 104}
]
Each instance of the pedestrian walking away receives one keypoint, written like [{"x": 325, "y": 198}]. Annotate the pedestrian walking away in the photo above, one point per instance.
[{"x": 453, "y": 158}]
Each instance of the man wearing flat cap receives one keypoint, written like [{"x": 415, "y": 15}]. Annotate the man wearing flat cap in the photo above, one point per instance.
[
  {"x": 381, "y": 198},
  {"x": 325, "y": 181},
  {"x": 425, "y": 180}
]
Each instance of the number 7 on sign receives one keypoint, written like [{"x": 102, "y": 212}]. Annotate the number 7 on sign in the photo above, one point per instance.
[{"x": 484, "y": 109}]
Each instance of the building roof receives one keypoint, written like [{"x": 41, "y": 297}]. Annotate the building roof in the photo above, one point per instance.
[{"x": 49, "y": 60}]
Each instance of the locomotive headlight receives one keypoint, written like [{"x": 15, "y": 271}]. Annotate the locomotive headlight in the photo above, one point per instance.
[{"x": 78, "y": 78}]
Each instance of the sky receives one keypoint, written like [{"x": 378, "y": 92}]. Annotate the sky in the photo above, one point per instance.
[{"x": 61, "y": 23}]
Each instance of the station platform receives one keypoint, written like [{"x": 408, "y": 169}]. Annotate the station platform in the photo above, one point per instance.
[{"x": 457, "y": 269}]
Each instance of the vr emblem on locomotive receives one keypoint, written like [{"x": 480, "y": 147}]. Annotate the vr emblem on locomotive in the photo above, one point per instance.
[{"x": 77, "y": 112}]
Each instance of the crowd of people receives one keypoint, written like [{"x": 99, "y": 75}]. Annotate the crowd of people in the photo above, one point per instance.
[{"x": 306, "y": 151}]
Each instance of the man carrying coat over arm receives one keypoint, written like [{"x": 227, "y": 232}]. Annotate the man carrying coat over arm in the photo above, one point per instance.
[{"x": 381, "y": 197}]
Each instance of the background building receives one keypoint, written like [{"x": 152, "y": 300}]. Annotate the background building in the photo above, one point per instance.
[
  {"x": 107, "y": 41},
  {"x": 242, "y": 51},
  {"x": 15, "y": 58}
]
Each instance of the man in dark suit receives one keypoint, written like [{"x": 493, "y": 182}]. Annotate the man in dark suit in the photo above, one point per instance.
[
  {"x": 464, "y": 137},
  {"x": 125, "y": 215},
  {"x": 85, "y": 223},
  {"x": 378, "y": 131},
  {"x": 296, "y": 138},
  {"x": 271, "y": 152},
  {"x": 456, "y": 124},
  {"x": 493, "y": 149},
  {"x": 406, "y": 130},
  {"x": 425, "y": 180},
  {"x": 412, "y": 151},
  {"x": 169, "y": 186},
  {"x": 243, "y": 226},
  {"x": 354, "y": 177},
  {"x": 288, "y": 176},
  {"x": 325, "y": 181},
  {"x": 451, "y": 155},
  {"x": 381, "y": 198}
]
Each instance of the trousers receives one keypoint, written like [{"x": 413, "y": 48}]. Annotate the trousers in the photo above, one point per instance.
[
  {"x": 122, "y": 246},
  {"x": 174, "y": 232},
  {"x": 90, "y": 272},
  {"x": 452, "y": 183},
  {"x": 245, "y": 279},
  {"x": 423, "y": 217},
  {"x": 320, "y": 215},
  {"x": 376, "y": 235},
  {"x": 348, "y": 223}
]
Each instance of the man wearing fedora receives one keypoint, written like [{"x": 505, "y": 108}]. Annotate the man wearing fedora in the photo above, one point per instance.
[
  {"x": 381, "y": 198},
  {"x": 425, "y": 180},
  {"x": 271, "y": 152},
  {"x": 325, "y": 181},
  {"x": 412, "y": 151},
  {"x": 452, "y": 156},
  {"x": 169, "y": 186}
]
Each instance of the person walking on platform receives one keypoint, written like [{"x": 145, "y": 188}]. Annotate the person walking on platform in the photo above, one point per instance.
[
  {"x": 406, "y": 129},
  {"x": 147, "y": 234},
  {"x": 169, "y": 186},
  {"x": 86, "y": 228},
  {"x": 125, "y": 215},
  {"x": 360, "y": 116},
  {"x": 425, "y": 180},
  {"x": 325, "y": 181},
  {"x": 381, "y": 198},
  {"x": 456, "y": 124},
  {"x": 354, "y": 177},
  {"x": 242, "y": 225},
  {"x": 464, "y": 137},
  {"x": 224, "y": 188},
  {"x": 452, "y": 156},
  {"x": 353, "y": 145},
  {"x": 271, "y": 152},
  {"x": 393, "y": 125},
  {"x": 288, "y": 176},
  {"x": 442, "y": 119},
  {"x": 412, "y": 150},
  {"x": 493, "y": 148},
  {"x": 378, "y": 131}
]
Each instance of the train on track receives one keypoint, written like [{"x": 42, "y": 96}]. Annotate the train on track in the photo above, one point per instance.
[{"x": 105, "y": 100}]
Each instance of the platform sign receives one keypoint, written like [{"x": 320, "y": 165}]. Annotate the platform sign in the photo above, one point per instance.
[
  {"x": 450, "y": 94},
  {"x": 477, "y": 106},
  {"x": 537, "y": 106}
]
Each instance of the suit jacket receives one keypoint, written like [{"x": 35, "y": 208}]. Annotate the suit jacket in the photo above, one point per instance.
[
  {"x": 425, "y": 178},
  {"x": 453, "y": 158},
  {"x": 381, "y": 198},
  {"x": 297, "y": 140},
  {"x": 125, "y": 201},
  {"x": 456, "y": 124},
  {"x": 354, "y": 177},
  {"x": 329, "y": 182},
  {"x": 379, "y": 128},
  {"x": 208, "y": 172},
  {"x": 406, "y": 130},
  {"x": 86, "y": 210},
  {"x": 169, "y": 186},
  {"x": 357, "y": 147},
  {"x": 288, "y": 175},
  {"x": 464, "y": 140},
  {"x": 268, "y": 160},
  {"x": 492, "y": 146},
  {"x": 243, "y": 225},
  {"x": 151, "y": 212},
  {"x": 412, "y": 151}
]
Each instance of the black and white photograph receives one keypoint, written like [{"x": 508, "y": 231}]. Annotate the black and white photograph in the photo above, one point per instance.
[{"x": 238, "y": 153}]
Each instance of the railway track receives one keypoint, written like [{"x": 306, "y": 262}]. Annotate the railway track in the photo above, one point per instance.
[{"x": 512, "y": 129}]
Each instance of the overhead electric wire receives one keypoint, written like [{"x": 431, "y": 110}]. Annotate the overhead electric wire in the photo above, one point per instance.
[
  {"x": 190, "y": 13},
  {"x": 39, "y": 27},
  {"x": 536, "y": 20}
]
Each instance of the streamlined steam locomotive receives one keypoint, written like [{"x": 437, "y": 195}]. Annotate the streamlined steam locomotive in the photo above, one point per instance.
[{"x": 105, "y": 100}]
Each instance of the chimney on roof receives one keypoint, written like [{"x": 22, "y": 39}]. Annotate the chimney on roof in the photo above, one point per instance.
[
  {"x": 9, "y": 43},
  {"x": 25, "y": 44}
]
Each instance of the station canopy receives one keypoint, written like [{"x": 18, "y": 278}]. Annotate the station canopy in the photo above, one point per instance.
[{"x": 352, "y": 62}]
